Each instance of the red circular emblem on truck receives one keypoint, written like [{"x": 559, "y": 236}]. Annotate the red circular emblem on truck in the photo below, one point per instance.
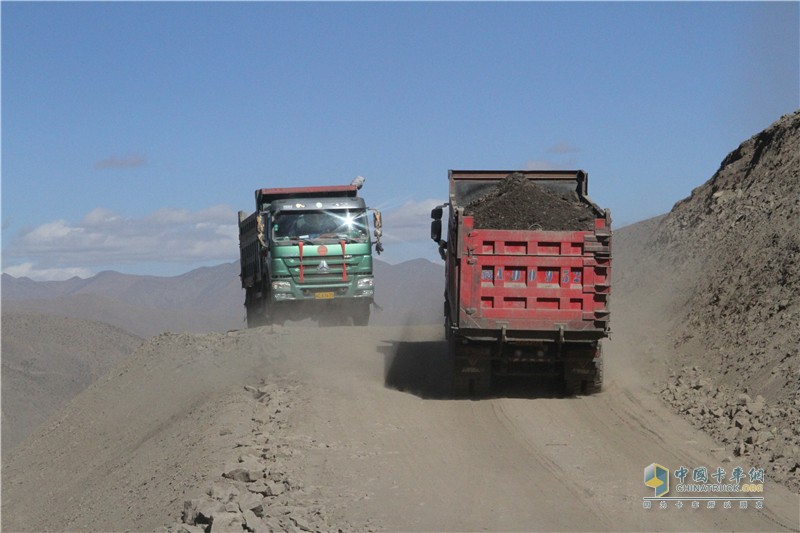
[{"x": 322, "y": 249}]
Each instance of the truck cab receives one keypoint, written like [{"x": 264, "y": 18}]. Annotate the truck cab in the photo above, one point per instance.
[{"x": 306, "y": 252}]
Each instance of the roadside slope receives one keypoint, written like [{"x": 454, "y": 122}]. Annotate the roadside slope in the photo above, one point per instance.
[
  {"x": 46, "y": 361},
  {"x": 145, "y": 322},
  {"x": 714, "y": 287},
  {"x": 122, "y": 454}
]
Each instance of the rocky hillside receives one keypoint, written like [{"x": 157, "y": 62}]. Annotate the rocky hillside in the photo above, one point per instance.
[{"x": 722, "y": 273}]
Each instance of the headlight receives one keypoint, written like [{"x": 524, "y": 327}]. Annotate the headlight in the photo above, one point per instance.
[
  {"x": 281, "y": 286},
  {"x": 365, "y": 282},
  {"x": 283, "y": 296}
]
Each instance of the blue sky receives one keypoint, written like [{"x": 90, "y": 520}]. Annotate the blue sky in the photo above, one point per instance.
[{"x": 133, "y": 132}]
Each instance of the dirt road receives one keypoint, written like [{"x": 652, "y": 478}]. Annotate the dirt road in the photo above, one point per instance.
[
  {"x": 368, "y": 439},
  {"x": 527, "y": 460}
]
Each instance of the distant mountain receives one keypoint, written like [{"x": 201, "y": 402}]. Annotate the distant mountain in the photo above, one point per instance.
[
  {"x": 202, "y": 300},
  {"x": 409, "y": 293},
  {"x": 208, "y": 299},
  {"x": 209, "y": 289}
]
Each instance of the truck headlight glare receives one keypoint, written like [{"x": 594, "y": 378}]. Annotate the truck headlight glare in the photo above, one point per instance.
[
  {"x": 365, "y": 282},
  {"x": 281, "y": 286}
]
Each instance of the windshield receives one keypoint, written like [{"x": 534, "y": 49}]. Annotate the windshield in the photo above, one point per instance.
[{"x": 338, "y": 224}]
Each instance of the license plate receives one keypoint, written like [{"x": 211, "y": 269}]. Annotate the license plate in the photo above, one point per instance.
[{"x": 323, "y": 295}]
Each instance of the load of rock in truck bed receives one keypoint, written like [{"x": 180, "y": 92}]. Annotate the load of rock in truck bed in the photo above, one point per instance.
[{"x": 520, "y": 204}]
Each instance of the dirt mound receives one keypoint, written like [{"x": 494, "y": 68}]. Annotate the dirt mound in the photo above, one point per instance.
[
  {"x": 726, "y": 264},
  {"x": 47, "y": 360},
  {"x": 167, "y": 435},
  {"x": 257, "y": 492},
  {"x": 519, "y": 204}
]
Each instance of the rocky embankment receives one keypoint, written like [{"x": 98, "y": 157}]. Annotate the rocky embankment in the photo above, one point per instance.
[
  {"x": 257, "y": 492},
  {"x": 758, "y": 431},
  {"x": 719, "y": 277}
]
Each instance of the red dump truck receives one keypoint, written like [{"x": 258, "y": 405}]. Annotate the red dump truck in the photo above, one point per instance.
[{"x": 524, "y": 297}]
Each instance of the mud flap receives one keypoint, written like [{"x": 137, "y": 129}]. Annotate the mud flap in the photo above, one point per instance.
[
  {"x": 471, "y": 370},
  {"x": 584, "y": 376}
]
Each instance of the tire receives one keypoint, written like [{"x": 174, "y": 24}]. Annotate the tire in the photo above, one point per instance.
[
  {"x": 457, "y": 386},
  {"x": 251, "y": 308},
  {"x": 573, "y": 387},
  {"x": 252, "y": 320},
  {"x": 258, "y": 314},
  {"x": 361, "y": 315},
  {"x": 482, "y": 386},
  {"x": 257, "y": 317},
  {"x": 466, "y": 385},
  {"x": 596, "y": 385}
]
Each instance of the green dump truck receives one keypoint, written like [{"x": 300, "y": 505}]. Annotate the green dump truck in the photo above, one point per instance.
[{"x": 306, "y": 252}]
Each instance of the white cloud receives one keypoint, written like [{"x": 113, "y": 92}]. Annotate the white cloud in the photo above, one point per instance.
[
  {"x": 99, "y": 216},
  {"x": 540, "y": 164},
  {"x": 410, "y": 222},
  {"x": 27, "y": 270},
  {"x": 563, "y": 147},
  {"x": 106, "y": 238},
  {"x": 117, "y": 161},
  {"x": 53, "y": 231}
]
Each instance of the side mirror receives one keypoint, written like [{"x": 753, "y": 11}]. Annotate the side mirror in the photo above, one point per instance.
[
  {"x": 377, "y": 222},
  {"x": 436, "y": 213},
  {"x": 436, "y": 230}
]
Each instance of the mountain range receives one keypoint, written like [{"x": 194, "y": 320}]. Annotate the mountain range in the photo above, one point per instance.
[{"x": 208, "y": 299}]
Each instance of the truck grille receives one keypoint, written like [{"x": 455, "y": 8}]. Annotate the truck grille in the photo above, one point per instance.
[{"x": 321, "y": 271}]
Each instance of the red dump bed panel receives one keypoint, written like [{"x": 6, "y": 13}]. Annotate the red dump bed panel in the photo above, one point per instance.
[{"x": 534, "y": 280}]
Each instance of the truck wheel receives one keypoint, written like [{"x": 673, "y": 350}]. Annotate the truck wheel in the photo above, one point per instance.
[
  {"x": 258, "y": 315},
  {"x": 482, "y": 385},
  {"x": 572, "y": 386},
  {"x": 466, "y": 384},
  {"x": 596, "y": 385},
  {"x": 256, "y": 318},
  {"x": 251, "y": 308},
  {"x": 462, "y": 387},
  {"x": 361, "y": 315},
  {"x": 331, "y": 320},
  {"x": 459, "y": 386},
  {"x": 252, "y": 321}
]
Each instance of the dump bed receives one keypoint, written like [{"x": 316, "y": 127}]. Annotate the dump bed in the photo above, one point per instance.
[
  {"x": 264, "y": 196},
  {"x": 528, "y": 284}
]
